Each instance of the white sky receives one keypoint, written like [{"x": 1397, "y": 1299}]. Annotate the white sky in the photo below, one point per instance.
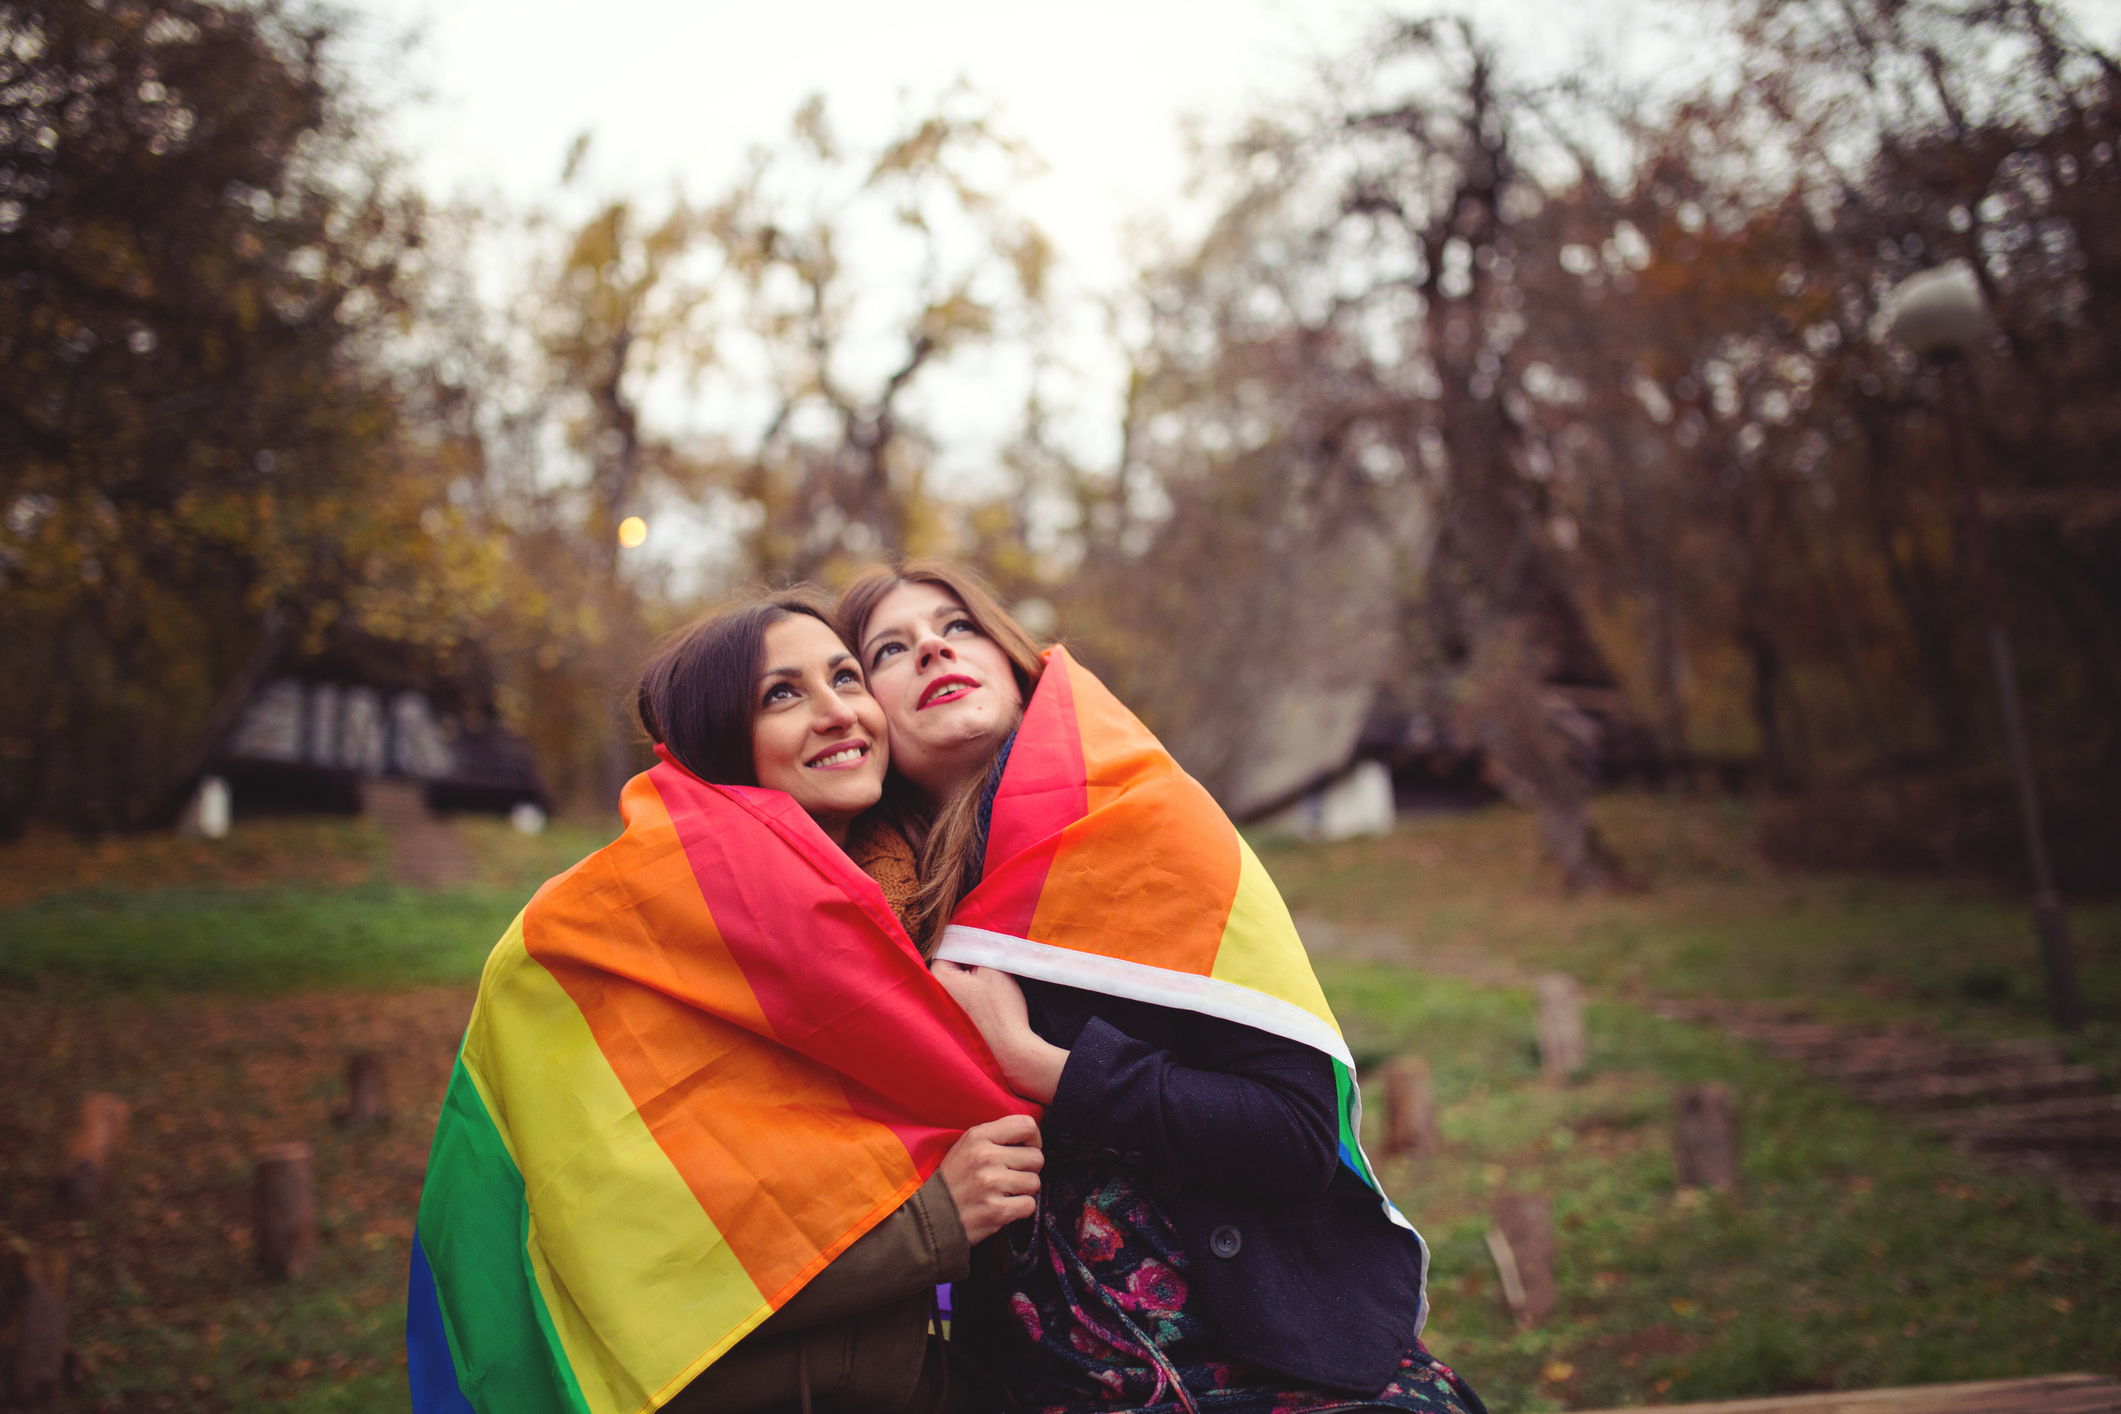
[
  {"x": 676, "y": 92},
  {"x": 1100, "y": 89},
  {"x": 680, "y": 89}
]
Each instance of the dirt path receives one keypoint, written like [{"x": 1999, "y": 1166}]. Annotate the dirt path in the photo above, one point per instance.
[
  {"x": 426, "y": 850},
  {"x": 2018, "y": 1105}
]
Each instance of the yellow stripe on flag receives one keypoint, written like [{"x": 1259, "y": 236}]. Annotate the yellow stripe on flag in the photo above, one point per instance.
[
  {"x": 1260, "y": 947},
  {"x": 633, "y": 1271}
]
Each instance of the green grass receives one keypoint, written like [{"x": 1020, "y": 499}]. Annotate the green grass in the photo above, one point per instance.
[
  {"x": 268, "y": 940},
  {"x": 1857, "y": 1253},
  {"x": 281, "y": 937},
  {"x": 1713, "y": 920}
]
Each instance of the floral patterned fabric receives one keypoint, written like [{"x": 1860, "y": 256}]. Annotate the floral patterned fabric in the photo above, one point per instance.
[{"x": 1100, "y": 1317}]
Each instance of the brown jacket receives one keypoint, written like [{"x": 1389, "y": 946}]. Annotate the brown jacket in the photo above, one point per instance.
[
  {"x": 861, "y": 1326},
  {"x": 858, "y": 1333}
]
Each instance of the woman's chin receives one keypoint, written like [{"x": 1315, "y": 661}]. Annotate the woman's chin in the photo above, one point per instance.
[
  {"x": 843, "y": 800},
  {"x": 952, "y": 727}
]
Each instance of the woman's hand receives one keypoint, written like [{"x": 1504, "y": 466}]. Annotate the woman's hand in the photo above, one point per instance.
[
  {"x": 1031, "y": 1065},
  {"x": 992, "y": 1174}
]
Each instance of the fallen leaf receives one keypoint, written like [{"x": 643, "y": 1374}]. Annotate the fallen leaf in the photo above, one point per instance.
[
  {"x": 1558, "y": 1372},
  {"x": 1682, "y": 1307}
]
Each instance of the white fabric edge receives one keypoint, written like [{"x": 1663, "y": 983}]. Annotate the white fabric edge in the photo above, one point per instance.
[{"x": 1116, "y": 977}]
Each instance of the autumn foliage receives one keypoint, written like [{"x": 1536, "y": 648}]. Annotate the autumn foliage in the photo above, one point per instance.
[{"x": 1468, "y": 368}]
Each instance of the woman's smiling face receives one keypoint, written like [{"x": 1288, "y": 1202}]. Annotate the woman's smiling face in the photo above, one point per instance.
[
  {"x": 818, "y": 735},
  {"x": 947, "y": 690}
]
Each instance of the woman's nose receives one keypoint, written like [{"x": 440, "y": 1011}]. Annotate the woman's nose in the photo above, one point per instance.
[
  {"x": 932, "y": 647},
  {"x": 834, "y": 714}
]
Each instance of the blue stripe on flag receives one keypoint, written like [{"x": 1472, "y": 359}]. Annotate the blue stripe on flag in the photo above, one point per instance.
[{"x": 428, "y": 1363}]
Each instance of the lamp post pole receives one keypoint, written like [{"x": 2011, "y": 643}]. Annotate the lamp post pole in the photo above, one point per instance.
[
  {"x": 2049, "y": 917},
  {"x": 1937, "y": 314}
]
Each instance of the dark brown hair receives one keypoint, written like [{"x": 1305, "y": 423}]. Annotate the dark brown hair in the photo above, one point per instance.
[
  {"x": 948, "y": 837},
  {"x": 699, "y": 694}
]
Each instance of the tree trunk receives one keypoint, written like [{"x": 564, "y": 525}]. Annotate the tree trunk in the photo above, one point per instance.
[
  {"x": 1535, "y": 747},
  {"x": 1704, "y": 1137},
  {"x": 1765, "y": 700},
  {"x": 1923, "y": 602},
  {"x": 367, "y": 1099},
  {"x": 286, "y": 1210},
  {"x": 1410, "y": 1110},
  {"x": 1562, "y": 1049},
  {"x": 1522, "y": 1244},
  {"x": 36, "y": 1360},
  {"x": 89, "y": 1159}
]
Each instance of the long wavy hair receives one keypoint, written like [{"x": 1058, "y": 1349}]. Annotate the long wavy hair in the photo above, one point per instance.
[{"x": 947, "y": 835}]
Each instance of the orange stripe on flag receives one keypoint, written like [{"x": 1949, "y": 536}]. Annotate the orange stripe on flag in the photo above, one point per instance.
[
  {"x": 1149, "y": 823},
  {"x": 678, "y": 1023}
]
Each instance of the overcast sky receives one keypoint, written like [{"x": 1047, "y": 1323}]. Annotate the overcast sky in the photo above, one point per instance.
[
  {"x": 1100, "y": 89},
  {"x": 680, "y": 89},
  {"x": 676, "y": 92}
]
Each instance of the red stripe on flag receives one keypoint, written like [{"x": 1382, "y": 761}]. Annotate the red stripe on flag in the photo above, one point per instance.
[
  {"x": 1043, "y": 791},
  {"x": 834, "y": 973}
]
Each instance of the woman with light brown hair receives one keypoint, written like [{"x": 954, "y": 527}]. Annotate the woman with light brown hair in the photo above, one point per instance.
[
  {"x": 950, "y": 718},
  {"x": 1204, "y": 1238}
]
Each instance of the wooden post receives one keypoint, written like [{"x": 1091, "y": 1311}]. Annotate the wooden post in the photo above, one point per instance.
[
  {"x": 1522, "y": 1244},
  {"x": 286, "y": 1217},
  {"x": 1704, "y": 1136},
  {"x": 1562, "y": 1051},
  {"x": 89, "y": 1158},
  {"x": 1410, "y": 1110},
  {"x": 36, "y": 1366},
  {"x": 367, "y": 1101}
]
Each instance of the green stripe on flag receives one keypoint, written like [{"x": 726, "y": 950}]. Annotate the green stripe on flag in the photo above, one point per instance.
[
  {"x": 507, "y": 1354},
  {"x": 1350, "y": 1140}
]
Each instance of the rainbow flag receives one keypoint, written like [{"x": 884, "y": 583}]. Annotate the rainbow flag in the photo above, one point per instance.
[
  {"x": 1110, "y": 869},
  {"x": 702, "y": 1063}
]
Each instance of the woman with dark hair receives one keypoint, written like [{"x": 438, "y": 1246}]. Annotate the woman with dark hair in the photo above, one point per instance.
[
  {"x": 716, "y": 1134},
  {"x": 768, "y": 695},
  {"x": 1208, "y": 1234}
]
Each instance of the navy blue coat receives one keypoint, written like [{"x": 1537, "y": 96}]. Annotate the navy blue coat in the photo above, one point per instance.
[{"x": 1238, "y": 1136}]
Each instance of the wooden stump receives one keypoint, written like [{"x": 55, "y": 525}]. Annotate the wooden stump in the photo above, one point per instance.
[
  {"x": 286, "y": 1216},
  {"x": 1704, "y": 1136},
  {"x": 90, "y": 1157},
  {"x": 1522, "y": 1244},
  {"x": 1562, "y": 1050},
  {"x": 36, "y": 1364},
  {"x": 1410, "y": 1110},
  {"x": 367, "y": 1101}
]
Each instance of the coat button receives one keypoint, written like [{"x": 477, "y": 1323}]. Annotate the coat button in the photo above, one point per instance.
[{"x": 1225, "y": 1241}]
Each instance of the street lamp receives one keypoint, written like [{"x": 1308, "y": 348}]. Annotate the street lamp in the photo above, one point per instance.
[{"x": 1940, "y": 314}]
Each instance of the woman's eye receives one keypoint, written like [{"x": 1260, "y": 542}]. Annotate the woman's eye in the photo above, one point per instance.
[
  {"x": 845, "y": 677},
  {"x": 965, "y": 625},
  {"x": 779, "y": 692},
  {"x": 885, "y": 651}
]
